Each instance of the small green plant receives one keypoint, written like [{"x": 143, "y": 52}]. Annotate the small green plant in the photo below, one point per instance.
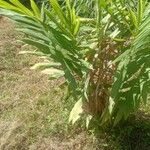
[{"x": 102, "y": 48}]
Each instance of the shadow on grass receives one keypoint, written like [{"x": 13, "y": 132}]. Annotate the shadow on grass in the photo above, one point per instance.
[{"x": 134, "y": 134}]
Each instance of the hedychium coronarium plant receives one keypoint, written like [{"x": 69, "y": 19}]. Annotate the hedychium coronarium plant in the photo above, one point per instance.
[{"x": 102, "y": 48}]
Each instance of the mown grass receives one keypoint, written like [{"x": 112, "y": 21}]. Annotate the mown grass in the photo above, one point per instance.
[
  {"x": 34, "y": 114},
  {"x": 32, "y": 107}
]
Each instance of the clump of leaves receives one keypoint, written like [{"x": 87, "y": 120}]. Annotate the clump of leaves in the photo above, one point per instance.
[{"x": 102, "y": 48}]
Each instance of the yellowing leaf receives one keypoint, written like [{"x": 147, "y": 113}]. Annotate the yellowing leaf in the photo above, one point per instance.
[
  {"x": 53, "y": 73},
  {"x": 44, "y": 65},
  {"x": 111, "y": 105},
  {"x": 76, "y": 111},
  {"x": 88, "y": 119}
]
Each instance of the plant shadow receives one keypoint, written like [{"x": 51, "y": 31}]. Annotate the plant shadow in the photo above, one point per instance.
[{"x": 134, "y": 134}]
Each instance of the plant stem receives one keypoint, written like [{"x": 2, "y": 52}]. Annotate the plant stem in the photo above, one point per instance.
[{"x": 99, "y": 25}]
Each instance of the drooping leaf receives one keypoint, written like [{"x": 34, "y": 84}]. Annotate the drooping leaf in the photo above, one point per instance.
[
  {"x": 76, "y": 112},
  {"x": 44, "y": 65},
  {"x": 53, "y": 73}
]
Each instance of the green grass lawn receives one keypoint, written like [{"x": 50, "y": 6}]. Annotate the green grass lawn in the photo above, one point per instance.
[{"x": 34, "y": 114}]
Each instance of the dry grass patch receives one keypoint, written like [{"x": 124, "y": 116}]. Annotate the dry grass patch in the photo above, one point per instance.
[{"x": 32, "y": 115}]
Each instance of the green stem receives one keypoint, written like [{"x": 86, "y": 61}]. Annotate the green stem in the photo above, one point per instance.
[{"x": 99, "y": 18}]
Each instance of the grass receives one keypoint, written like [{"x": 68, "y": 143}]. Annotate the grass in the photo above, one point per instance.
[
  {"x": 29, "y": 102},
  {"x": 34, "y": 114}
]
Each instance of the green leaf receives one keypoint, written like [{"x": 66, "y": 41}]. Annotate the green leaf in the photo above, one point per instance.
[
  {"x": 22, "y": 7},
  {"x": 59, "y": 12},
  {"x": 140, "y": 10},
  {"x": 8, "y": 6},
  {"x": 35, "y": 9},
  {"x": 40, "y": 45},
  {"x": 119, "y": 116},
  {"x": 134, "y": 18},
  {"x": 56, "y": 21},
  {"x": 145, "y": 92},
  {"x": 37, "y": 35}
]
